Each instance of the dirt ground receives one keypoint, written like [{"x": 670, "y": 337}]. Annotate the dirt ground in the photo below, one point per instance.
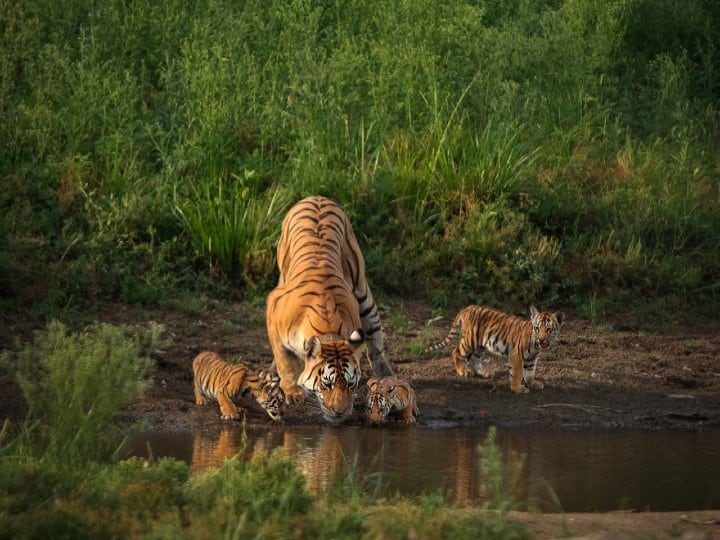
[
  {"x": 596, "y": 376},
  {"x": 607, "y": 375}
]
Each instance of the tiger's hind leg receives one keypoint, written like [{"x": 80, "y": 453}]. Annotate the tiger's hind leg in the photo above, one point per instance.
[
  {"x": 373, "y": 334},
  {"x": 480, "y": 368},
  {"x": 461, "y": 361}
]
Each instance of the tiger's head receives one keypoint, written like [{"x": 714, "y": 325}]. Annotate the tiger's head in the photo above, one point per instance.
[
  {"x": 270, "y": 396},
  {"x": 378, "y": 403},
  {"x": 332, "y": 372},
  {"x": 546, "y": 326}
]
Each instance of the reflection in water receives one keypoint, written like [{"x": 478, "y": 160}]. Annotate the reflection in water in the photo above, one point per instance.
[{"x": 585, "y": 470}]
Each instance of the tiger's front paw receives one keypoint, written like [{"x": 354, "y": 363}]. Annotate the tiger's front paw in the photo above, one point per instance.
[
  {"x": 230, "y": 413},
  {"x": 294, "y": 395},
  {"x": 520, "y": 389},
  {"x": 537, "y": 385}
]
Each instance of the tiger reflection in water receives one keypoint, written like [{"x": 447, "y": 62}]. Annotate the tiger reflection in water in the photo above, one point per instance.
[
  {"x": 321, "y": 461},
  {"x": 320, "y": 454}
]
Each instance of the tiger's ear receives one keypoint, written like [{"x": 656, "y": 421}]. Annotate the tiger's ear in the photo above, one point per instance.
[
  {"x": 357, "y": 338},
  {"x": 533, "y": 312},
  {"x": 560, "y": 317},
  {"x": 372, "y": 383},
  {"x": 312, "y": 346}
]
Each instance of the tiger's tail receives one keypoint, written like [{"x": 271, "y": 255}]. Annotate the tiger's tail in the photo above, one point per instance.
[{"x": 451, "y": 336}]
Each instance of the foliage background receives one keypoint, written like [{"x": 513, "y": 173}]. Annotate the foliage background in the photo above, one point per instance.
[{"x": 507, "y": 152}]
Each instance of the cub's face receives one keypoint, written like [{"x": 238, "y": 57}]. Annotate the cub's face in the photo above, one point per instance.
[
  {"x": 378, "y": 408},
  {"x": 271, "y": 397},
  {"x": 546, "y": 326},
  {"x": 332, "y": 373}
]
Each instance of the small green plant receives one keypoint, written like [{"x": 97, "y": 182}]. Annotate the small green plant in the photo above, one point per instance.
[
  {"x": 498, "y": 477},
  {"x": 76, "y": 383}
]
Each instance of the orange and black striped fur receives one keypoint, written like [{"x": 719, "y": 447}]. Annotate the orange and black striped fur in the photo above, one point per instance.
[
  {"x": 388, "y": 395},
  {"x": 217, "y": 380},
  {"x": 520, "y": 340},
  {"x": 322, "y": 311}
]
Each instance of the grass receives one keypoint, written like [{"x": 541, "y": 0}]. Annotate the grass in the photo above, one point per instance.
[{"x": 509, "y": 154}]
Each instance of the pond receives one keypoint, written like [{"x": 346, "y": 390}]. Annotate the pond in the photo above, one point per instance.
[{"x": 562, "y": 470}]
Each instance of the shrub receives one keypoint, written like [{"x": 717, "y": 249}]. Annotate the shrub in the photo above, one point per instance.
[{"x": 75, "y": 384}]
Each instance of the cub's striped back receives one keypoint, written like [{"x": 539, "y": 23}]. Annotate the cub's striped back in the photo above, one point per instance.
[
  {"x": 217, "y": 380},
  {"x": 521, "y": 340},
  {"x": 322, "y": 292}
]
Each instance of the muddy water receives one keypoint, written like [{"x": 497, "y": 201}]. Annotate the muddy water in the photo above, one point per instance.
[{"x": 572, "y": 471}]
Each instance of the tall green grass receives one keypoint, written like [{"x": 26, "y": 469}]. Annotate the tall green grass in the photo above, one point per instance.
[{"x": 508, "y": 152}]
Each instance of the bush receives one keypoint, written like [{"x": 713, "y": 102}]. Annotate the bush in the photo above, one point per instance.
[{"x": 75, "y": 384}]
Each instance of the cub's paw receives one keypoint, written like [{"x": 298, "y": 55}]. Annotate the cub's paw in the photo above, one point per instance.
[{"x": 464, "y": 372}]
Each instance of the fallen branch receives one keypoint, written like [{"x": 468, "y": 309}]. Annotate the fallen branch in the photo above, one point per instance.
[{"x": 592, "y": 409}]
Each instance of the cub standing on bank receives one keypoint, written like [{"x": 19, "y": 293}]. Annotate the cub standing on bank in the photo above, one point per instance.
[{"x": 520, "y": 340}]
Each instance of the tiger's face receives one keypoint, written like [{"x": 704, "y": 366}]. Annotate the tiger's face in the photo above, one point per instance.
[
  {"x": 332, "y": 373},
  {"x": 546, "y": 326},
  {"x": 378, "y": 408},
  {"x": 270, "y": 396}
]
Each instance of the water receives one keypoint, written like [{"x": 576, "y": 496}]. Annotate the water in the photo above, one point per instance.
[{"x": 585, "y": 471}]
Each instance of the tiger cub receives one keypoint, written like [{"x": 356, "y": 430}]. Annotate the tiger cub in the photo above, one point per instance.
[
  {"x": 217, "y": 380},
  {"x": 390, "y": 395},
  {"x": 520, "y": 340}
]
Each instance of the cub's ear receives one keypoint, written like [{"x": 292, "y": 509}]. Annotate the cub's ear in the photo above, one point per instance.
[
  {"x": 372, "y": 383},
  {"x": 533, "y": 312},
  {"x": 269, "y": 376},
  {"x": 312, "y": 346},
  {"x": 560, "y": 317},
  {"x": 357, "y": 338}
]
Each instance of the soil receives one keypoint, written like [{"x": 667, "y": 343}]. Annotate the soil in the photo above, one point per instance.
[{"x": 606, "y": 375}]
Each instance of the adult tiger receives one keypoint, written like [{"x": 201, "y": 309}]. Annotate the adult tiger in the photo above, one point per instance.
[
  {"x": 217, "y": 380},
  {"x": 521, "y": 340},
  {"x": 322, "y": 311}
]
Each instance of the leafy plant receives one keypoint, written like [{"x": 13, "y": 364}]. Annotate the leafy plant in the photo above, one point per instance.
[{"x": 74, "y": 386}]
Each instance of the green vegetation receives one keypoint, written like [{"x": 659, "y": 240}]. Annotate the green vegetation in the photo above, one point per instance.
[
  {"x": 61, "y": 477},
  {"x": 74, "y": 385},
  {"x": 555, "y": 151}
]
